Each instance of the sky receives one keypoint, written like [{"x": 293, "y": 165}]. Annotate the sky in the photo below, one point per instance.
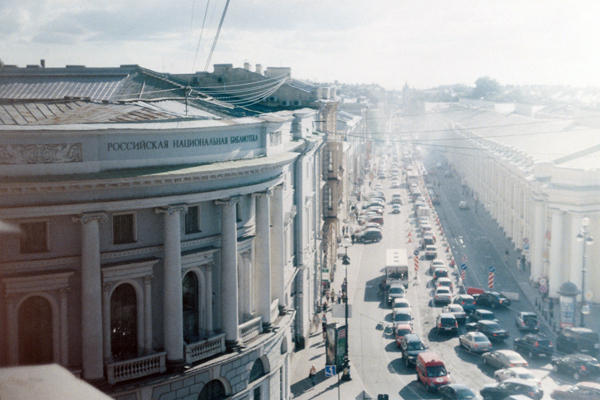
[{"x": 389, "y": 42}]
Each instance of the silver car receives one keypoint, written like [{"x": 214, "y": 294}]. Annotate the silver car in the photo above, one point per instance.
[
  {"x": 503, "y": 359},
  {"x": 475, "y": 342}
]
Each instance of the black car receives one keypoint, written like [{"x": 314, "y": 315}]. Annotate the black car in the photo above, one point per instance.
[
  {"x": 410, "y": 346},
  {"x": 492, "y": 330},
  {"x": 527, "y": 321},
  {"x": 578, "y": 366},
  {"x": 510, "y": 387},
  {"x": 492, "y": 300},
  {"x": 371, "y": 235},
  {"x": 578, "y": 340},
  {"x": 455, "y": 391},
  {"x": 534, "y": 345}
]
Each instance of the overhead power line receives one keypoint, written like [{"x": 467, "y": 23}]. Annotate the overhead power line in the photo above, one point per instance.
[
  {"x": 212, "y": 49},
  {"x": 200, "y": 36}
]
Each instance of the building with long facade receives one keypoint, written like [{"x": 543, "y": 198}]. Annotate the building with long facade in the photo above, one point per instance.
[{"x": 166, "y": 247}]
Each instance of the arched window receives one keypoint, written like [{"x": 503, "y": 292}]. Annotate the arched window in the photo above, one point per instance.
[
  {"x": 257, "y": 371},
  {"x": 190, "y": 308},
  {"x": 213, "y": 390},
  {"x": 123, "y": 322},
  {"x": 35, "y": 331}
]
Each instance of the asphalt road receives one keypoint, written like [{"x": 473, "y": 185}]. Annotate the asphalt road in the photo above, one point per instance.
[{"x": 375, "y": 356}]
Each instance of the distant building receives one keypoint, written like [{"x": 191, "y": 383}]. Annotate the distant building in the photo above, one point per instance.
[{"x": 165, "y": 237}]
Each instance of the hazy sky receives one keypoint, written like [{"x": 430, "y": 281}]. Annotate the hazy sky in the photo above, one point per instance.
[{"x": 425, "y": 43}]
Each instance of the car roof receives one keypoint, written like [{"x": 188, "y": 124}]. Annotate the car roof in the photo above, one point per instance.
[
  {"x": 507, "y": 352},
  {"x": 483, "y": 311},
  {"x": 478, "y": 334},
  {"x": 403, "y": 326},
  {"x": 527, "y": 313},
  {"x": 464, "y": 296},
  {"x": 443, "y": 279},
  {"x": 487, "y": 322},
  {"x": 447, "y": 315},
  {"x": 526, "y": 382},
  {"x": 579, "y": 329},
  {"x": 412, "y": 337}
]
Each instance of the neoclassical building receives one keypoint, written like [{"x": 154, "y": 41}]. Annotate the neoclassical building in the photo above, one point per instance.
[{"x": 166, "y": 249}]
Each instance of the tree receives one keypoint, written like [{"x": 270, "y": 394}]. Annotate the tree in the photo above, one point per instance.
[{"x": 485, "y": 87}]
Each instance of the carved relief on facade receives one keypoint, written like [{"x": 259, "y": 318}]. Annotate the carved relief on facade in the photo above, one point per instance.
[{"x": 40, "y": 153}]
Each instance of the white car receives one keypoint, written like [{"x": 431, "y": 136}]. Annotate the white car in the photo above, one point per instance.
[
  {"x": 503, "y": 359},
  {"x": 457, "y": 311},
  {"x": 475, "y": 342},
  {"x": 436, "y": 264},
  {"x": 442, "y": 295},
  {"x": 515, "y": 372},
  {"x": 444, "y": 282},
  {"x": 399, "y": 304},
  {"x": 403, "y": 316}
]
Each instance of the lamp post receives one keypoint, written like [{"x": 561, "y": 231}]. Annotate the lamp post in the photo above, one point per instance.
[
  {"x": 346, "y": 262},
  {"x": 587, "y": 240}
]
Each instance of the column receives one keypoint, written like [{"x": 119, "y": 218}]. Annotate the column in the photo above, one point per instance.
[
  {"x": 229, "y": 276},
  {"x": 277, "y": 245},
  {"x": 208, "y": 312},
  {"x": 91, "y": 296},
  {"x": 148, "y": 315},
  {"x": 107, "y": 288},
  {"x": 64, "y": 327},
  {"x": 11, "y": 327},
  {"x": 575, "y": 265},
  {"x": 172, "y": 290},
  {"x": 263, "y": 256},
  {"x": 538, "y": 240},
  {"x": 556, "y": 252}
]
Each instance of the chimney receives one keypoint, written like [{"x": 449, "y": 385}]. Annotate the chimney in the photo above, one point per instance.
[
  {"x": 247, "y": 66},
  {"x": 259, "y": 69},
  {"x": 43, "y": 63}
]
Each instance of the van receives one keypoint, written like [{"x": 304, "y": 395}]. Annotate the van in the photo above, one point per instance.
[
  {"x": 578, "y": 340},
  {"x": 431, "y": 371},
  {"x": 430, "y": 252}
]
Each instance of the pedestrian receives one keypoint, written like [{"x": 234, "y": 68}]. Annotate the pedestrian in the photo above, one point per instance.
[{"x": 312, "y": 375}]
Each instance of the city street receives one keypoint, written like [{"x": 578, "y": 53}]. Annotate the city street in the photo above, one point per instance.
[{"x": 375, "y": 356}]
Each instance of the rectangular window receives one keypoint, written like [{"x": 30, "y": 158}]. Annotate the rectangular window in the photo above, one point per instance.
[
  {"x": 238, "y": 212},
  {"x": 192, "y": 220},
  {"x": 123, "y": 228},
  {"x": 257, "y": 393},
  {"x": 34, "y": 237}
]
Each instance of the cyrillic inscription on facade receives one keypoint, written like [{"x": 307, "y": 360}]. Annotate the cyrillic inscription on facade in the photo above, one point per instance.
[{"x": 40, "y": 153}]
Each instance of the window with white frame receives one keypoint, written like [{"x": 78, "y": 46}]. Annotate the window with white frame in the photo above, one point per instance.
[
  {"x": 34, "y": 237},
  {"x": 124, "y": 228}
]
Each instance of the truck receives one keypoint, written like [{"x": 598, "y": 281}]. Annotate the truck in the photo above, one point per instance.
[{"x": 396, "y": 273}]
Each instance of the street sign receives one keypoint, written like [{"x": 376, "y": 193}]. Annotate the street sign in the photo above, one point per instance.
[
  {"x": 463, "y": 266},
  {"x": 492, "y": 268},
  {"x": 330, "y": 370}
]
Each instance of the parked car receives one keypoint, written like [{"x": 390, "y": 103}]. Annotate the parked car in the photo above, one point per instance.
[
  {"x": 516, "y": 373},
  {"x": 375, "y": 218},
  {"x": 580, "y": 391},
  {"x": 578, "y": 366},
  {"x": 396, "y": 209},
  {"x": 492, "y": 330},
  {"x": 431, "y": 371},
  {"x": 457, "y": 311},
  {"x": 534, "y": 345},
  {"x": 503, "y": 359},
  {"x": 395, "y": 290},
  {"x": 403, "y": 317},
  {"x": 411, "y": 346},
  {"x": 578, "y": 340},
  {"x": 456, "y": 391},
  {"x": 371, "y": 235},
  {"x": 492, "y": 300},
  {"x": 475, "y": 342},
  {"x": 400, "y": 303},
  {"x": 466, "y": 301},
  {"x": 442, "y": 295},
  {"x": 400, "y": 331},
  {"x": 527, "y": 321},
  {"x": 512, "y": 387},
  {"x": 446, "y": 323}
]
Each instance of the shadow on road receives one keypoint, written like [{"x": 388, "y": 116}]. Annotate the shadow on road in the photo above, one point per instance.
[
  {"x": 415, "y": 390},
  {"x": 433, "y": 336},
  {"x": 397, "y": 367}
]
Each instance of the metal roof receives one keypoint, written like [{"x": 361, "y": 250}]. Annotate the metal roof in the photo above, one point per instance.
[{"x": 41, "y": 87}]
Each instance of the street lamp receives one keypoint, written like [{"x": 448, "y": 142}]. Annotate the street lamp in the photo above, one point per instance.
[
  {"x": 346, "y": 261},
  {"x": 587, "y": 240}
]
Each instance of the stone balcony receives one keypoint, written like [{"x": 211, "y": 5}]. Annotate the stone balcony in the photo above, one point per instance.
[
  {"x": 204, "y": 349},
  {"x": 139, "y": 367}
]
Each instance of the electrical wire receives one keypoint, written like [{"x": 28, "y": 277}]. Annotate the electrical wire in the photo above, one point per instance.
[
  {"x": 200, "y": 36},
  {"x": 212, "y": 49}
]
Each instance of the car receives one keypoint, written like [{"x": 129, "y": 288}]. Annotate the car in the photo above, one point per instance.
[
  {"x": 456, "y": 391},
  {"x": 580, "y": 391},
  {"x": 457, "y": 311},
  {"x": 475, "y": 342},
  {"x": 430, "y": 252},
  {"x": 444, "y": 282},
  {"x": 492, "y": 299},
  {"x": 436, "y": 264},
  {"x": 534, "y": 345},
  {"x": 516, "y": 372},
  {"x": 446, "y": 323},
  {"x": 373, "y": 202},
  {"x": 375, "y": 218},
  {"x": 481, "y": 314},
  {"x": 512, "y": 387},
  {"x": 400, "y": 303},
  {"x": 375, "y": 210},
  {"x": 466, "y": 301},
  {"x": 431, "y": 371},
  {"x": 503, "y": 359},
  {"x": 527, "y": 321},
  {"x": 395, "y": 184},
  {"x": 492, "y": 330},
  {"x": 400, "y": 331},
  {"x": 578, "y": 340},
  {"x": 577, "y": 366},
  {"x": 463, "y": 205},
  {"x": 373, "y": 225},
  {"x": 371, "y": 235},
  {"x": 411, "y": 346},
  {"x": 403, "y": 317},
  {"x": 442, "y": 295},
  {"x": 396, "y": 209},
  {"x": 395, "y": 290},
  {"x": 426, "y": 229},
  {"x": 428, "y": 239}
]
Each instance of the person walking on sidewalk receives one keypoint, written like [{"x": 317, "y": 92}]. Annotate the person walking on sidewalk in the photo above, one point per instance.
[{"x": 312, "y": 375}]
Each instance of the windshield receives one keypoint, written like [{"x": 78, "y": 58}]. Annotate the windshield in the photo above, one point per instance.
[
  {"x": 442, "y": 290},
  {"x": 530, "y": 319},
  {"x": 402, "y": 332},
  {"x": 486, "y": 316},
  {"x": 481, "y": 339},
  {"x": 402, "y": 317},
  {"x": 438, "y": 370},
  {"x": 415, "y": 346},
  {"x": 396, "y": 290}
]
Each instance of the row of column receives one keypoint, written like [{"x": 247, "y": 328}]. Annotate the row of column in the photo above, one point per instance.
[{"x": 91, "y": 287}]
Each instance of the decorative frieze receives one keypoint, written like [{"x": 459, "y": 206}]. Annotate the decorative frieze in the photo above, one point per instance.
[{"x": 11, "y": 154}]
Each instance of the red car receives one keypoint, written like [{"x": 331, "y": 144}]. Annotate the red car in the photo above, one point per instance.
[{"x": 401, "y": 330}]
